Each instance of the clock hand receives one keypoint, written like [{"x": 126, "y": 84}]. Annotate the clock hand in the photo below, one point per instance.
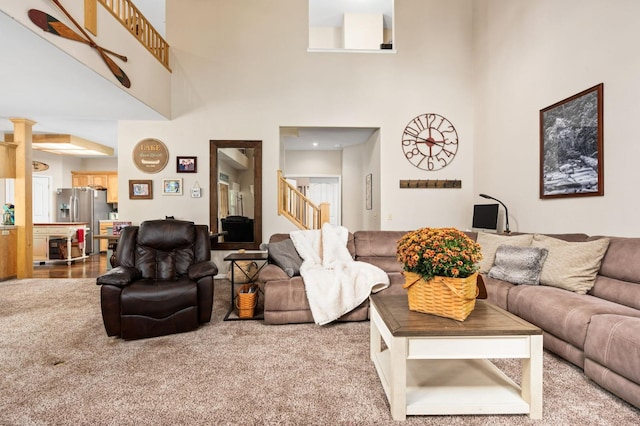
[
  {"x": 429, "y": 141},
  {"x": 51, "y": 25},
  {"x": 117, "y": 72}
]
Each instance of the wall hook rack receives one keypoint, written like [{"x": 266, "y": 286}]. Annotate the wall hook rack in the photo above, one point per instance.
[{"x": 431, "y": 183}]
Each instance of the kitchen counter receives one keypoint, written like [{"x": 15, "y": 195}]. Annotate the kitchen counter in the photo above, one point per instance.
[
  {"x": 52, "y": 232},
  {"x": 61, "y": 224}
]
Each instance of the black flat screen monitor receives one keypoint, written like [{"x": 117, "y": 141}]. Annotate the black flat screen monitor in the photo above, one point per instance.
[{"x": 485, "y": 216}]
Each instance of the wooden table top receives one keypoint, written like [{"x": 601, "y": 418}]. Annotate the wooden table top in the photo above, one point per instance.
[
  {"x": 485, "y": 320},
  {"x": 107, "y": 237},
  {"x": 256, "y": 255}
]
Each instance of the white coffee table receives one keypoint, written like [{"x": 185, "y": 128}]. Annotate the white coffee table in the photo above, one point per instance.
[{"x": 435, "y": 366}]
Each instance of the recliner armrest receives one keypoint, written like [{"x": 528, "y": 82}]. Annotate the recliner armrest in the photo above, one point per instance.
[
  {"x": 202, "y": 269},
  {"x": 119, "y": 276}
]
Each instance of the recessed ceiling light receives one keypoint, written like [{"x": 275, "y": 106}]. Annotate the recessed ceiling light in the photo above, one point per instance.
[
  {"x": 315, "y": 144},
  {"x": 337, "y": 145}
]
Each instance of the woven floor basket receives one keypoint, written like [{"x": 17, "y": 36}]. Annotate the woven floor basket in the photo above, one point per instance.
[
  {"x": 246, "y": 302},
  {"x": 443, "y": 296}
]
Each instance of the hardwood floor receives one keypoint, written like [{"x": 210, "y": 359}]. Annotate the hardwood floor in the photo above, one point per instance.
[{"x": 92, "y": 267}]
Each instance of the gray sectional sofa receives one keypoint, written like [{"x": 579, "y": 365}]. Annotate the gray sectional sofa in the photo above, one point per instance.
[{"x": 598, "y": 331}]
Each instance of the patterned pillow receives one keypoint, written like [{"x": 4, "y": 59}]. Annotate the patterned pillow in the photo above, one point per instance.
[
  {"x": 489, "y": 244},
  {"x": 571, "y": 266},
  {"x": 518, "y": 265}
]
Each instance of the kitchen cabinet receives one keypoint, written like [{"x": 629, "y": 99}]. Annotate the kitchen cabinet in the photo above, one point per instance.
[
  {"x": 9, "y": 249},
  {"x": 80, "y": 180},
  {"x": 107, "y": 180},
  {"x": 104, "y": 224},
  {"x": 40, "y": 247},
  {"x": 112, "y": 188}
]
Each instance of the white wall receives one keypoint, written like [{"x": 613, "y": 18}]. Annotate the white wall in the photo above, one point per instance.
[
  {"x": 303, "y": 163},
  {"x": 530, "y": 55},
  {"x": 149, "y": 78},
  {"x": 241, "y": 70}
]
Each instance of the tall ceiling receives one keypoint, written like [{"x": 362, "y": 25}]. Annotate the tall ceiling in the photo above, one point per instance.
[{"x": 40, "y": 82}]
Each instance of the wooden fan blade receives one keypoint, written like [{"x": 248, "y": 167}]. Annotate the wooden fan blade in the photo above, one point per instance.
[
  {"x": 51, "y": 25},
  {"x": 115, "y": 69}
]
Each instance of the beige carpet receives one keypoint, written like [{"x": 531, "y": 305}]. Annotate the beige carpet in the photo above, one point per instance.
[{"x": 58, "y": 367}]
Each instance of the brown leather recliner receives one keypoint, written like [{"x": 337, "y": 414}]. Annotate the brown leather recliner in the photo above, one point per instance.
[{"x": 162, "y": 282}]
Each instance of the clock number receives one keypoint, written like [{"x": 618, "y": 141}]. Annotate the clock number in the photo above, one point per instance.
[{"x": 411, "y": 132}]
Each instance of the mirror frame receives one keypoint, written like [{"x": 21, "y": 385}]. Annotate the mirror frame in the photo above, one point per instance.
[{"x": 257, "y": 193}]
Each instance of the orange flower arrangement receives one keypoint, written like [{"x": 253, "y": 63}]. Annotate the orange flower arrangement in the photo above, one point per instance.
[{"x": 445, "y": 252}]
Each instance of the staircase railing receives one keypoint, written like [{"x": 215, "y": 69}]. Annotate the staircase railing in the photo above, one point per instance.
[
  {"x": 299, "y": 209},
  {"x": 137, "y": 24}
]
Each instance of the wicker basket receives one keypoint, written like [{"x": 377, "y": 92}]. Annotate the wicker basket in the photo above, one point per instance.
[
  {"x": 443, "y": 296},
  {"x": 246, "y": 302}
]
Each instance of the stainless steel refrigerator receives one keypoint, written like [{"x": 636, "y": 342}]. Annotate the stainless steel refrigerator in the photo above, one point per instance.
[{"x": 83, "y": 205}]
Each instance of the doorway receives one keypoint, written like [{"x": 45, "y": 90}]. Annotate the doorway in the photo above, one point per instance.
[
  {"x": 322, "y": 189},
  {"x": 40, "y": 196},
  {"x": 41, "y": 199}
]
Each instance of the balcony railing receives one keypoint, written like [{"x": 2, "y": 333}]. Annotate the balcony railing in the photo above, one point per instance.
[{"x": 137, "y": 24}]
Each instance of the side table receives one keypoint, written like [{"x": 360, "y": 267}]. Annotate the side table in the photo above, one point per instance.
[{"x": 261, "y": 259}]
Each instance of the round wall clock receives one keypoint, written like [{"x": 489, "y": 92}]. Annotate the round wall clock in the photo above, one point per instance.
[
  {"x": 430, "y": 142},
  {"x": 150, "y": 155}
]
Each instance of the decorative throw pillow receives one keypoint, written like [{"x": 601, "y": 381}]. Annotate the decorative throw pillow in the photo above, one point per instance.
[
  {"x": 489, "y": 244},
  {"x": 518, "y": 265},
  {"x": 284, "y": 254},
  {"x": 571, "y": 266}
]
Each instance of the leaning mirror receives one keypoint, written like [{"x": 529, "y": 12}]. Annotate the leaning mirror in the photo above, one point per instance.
[{"x": 235, "y": 184}]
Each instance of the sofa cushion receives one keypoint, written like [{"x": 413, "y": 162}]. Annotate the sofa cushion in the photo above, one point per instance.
[
  {"x": 619, "y": 275},
  {"x": 379, "y": 248},
  {"x": 571, "y": 266},
  {"x": 284, "y": 254},
  {"x": 518, "y": 265},
  {"x": 489, "y": 245},
  {"x": 614, "y": 342},
  {"x": 562, "y": 313}
]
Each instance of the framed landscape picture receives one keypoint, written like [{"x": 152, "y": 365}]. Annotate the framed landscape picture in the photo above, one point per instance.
[
  {"x": 140, "y": 189},
  {"x": 186, "y": 164},
  {"x": 172, "y": 186},
  {"x": 571, "y": 158}
]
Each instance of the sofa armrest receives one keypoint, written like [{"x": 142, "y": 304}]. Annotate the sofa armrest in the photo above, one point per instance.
[
  {"x": 202, "y": 269},
  {"x": 119, "y": 276},
  {"x": 272, "y": 272}
]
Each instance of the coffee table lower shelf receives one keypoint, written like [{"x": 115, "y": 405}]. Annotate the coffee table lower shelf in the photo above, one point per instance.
[{"x": 454, "y": 387}]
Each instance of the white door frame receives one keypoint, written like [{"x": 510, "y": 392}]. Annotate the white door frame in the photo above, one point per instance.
[{"x": 338, "y": 207}]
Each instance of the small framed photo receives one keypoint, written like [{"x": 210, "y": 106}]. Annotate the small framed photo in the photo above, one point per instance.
[
  {"x": 186, "y": 164},
  {"x": 172, "y": 186},
  {"x": 140, "y": 189}
]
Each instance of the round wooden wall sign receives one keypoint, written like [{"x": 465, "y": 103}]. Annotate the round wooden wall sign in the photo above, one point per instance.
[{"x": 150, "y": 155}]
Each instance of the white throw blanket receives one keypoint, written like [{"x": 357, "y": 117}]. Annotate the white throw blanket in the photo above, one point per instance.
[{"x": 334, "y": 282}]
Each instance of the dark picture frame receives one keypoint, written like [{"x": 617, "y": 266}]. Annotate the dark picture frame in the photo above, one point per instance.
[
  {"x": 140, "y": 189},
  {"x": 571, "y": 146},
  {"x": 186, "y": 164}
]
